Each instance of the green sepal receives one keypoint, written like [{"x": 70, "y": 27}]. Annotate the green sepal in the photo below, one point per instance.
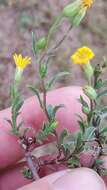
[
  {"x": 79, "y": 17},
  {"x": 71, "y": 9}
]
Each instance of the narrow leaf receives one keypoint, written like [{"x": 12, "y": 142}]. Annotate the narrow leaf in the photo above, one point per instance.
[
  {"x": 63, "y": 134},
  {"x": 103, "y": 93},
  {"x": 36, "y": 92},
  {"x": 89, "y": 134},
  {"x": 56, "y": 77}
]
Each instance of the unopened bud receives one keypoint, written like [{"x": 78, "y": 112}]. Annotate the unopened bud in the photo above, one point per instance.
[
  {"x": 90, "y": 92},
  {"x": 71, "y": 10},
  {"x": 42, "y": 42},
  {"x": 85, "y": 110}
]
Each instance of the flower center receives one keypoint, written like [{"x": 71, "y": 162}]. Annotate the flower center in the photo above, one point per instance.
[{"x": 87, "y": 3}]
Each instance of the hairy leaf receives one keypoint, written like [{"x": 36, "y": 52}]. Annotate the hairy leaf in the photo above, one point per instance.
[
  {"x": 83, "y": 102},
  {"x": 34, "y": 44},
  {"x": 103, "y": 93},
  {"x": 103, "y": 130},
  {"x": 56, "y": 77},
  {"x": 89, "y": 134},
  {"x": 36, "y": 92},
  {"x": 63, "y": 134}
]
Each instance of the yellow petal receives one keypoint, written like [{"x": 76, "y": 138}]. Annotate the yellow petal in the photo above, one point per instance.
[
  {"x": 82, "y": 55},
  {"x": 21, "y": 62}
]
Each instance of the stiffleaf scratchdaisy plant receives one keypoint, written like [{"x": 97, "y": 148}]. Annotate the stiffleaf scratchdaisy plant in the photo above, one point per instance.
[{"x": 92, "y": 126}]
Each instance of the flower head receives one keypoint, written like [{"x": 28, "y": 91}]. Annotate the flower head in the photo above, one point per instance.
[
  {"x": 76, "y": 11},
  {"x": 82, "y": 55},
  {"x": 21, "y": 62},
  {"x": 86, "y": 3}
]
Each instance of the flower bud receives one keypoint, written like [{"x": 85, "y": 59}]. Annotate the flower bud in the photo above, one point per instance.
[
  {"x": 71, "y": 10},
  {"x": 78, "y": 18},
  {"x": 76, "y": 11},
  {"x": 85, "y": 110},
  {"x": 90, "y": 92},
  {"x": 43, "y": 70},
  {"x": 41, "y": 44}
]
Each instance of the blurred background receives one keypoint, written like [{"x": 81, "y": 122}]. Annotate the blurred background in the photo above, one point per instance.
[{"x": 18, "y": 18}]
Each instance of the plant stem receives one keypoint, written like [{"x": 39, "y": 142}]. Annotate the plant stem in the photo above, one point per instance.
[
  {"x": 62, "y": 40},
  {"x": 47, "y": 53},
  {"x": 31, "y": 165},
  {"x": 53, "y": 28},
  {"x": 45, "y": 101}
]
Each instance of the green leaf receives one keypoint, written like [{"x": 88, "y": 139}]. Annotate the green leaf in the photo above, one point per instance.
[
  {"x": 69, "y": 147},
  {"x": 89, "y": 134},
  {"x": 56, "y": 77},
  {"x": 104, "y": 62},
  {"x": 17, "y": 105},
  {"x": 63, "y": 134},
  {"x": 53, "y": 109},
  {"x": 103, "y": 172},
  {"x": 99, "y": 84},
  {"x": 73, "y": 162},
  {"x": 103, "y": 93},
  {"x": 99, "y": 162},
  {"x": 56, "y": 108},
  {"x": 48, "y": 129},
  {"x": 83, "y": 102},
  {"x": 27, "y": 173},
  {"x": 103, "y": 130},
  {"x": 103, "y": 112},
  {"x": 79, "y": 142},
  {"x": 82, "y": 126},
  {"x": 50, "y": 111},
  {"x": 19, "y": 125},
  {"x": 9, "y": 121},
  {"x": 36, "y": 92},
  {"x": 34, "y": 44}
]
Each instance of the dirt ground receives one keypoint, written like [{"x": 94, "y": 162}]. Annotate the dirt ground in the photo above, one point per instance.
[{"x": 19, "y": 17}]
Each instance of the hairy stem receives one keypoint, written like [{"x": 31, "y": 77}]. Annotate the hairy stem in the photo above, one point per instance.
[
  {"x": 31, "y": 165},
  {"x": 45, "y": 101}
]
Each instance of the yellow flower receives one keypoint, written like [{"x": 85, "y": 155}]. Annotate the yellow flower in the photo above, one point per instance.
[
  {"x": 87, "y": 3},
  {"x": 82, "y": 55},
  {"x": 21, "y": 62}
]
